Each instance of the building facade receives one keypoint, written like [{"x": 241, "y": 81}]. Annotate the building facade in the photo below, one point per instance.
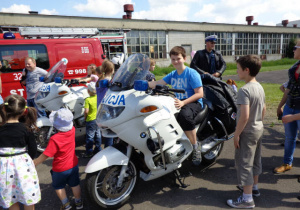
[{"x": 156, "y": 38}]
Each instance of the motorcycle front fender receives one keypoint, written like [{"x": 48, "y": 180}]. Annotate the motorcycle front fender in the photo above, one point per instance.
[
  {"x": 43, "y": 121},
  {"x": 105, "y": 158}
]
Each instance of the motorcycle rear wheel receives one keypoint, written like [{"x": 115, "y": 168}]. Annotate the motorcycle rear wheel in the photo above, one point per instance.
[
  {"x": 41, "y": 138},
  {"x": 102, "y": 186},
  {"x": 212, "y": 156}
]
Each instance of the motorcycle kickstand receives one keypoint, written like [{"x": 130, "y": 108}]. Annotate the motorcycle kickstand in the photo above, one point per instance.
[{"x": 179, "y": 178}]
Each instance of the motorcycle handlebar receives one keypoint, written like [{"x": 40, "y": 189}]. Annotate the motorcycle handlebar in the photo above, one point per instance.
[
  {"x": 164, "y": 88},
  {"x": 176, "y": 90}
]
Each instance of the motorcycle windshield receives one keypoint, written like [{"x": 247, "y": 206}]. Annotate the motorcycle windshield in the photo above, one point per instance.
[
  {"x": 57, "y": 70},
  {"x": 136, "y": 67}
]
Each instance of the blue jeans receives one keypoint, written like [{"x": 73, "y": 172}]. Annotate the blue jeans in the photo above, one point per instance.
[
  {"x": 108, "y": 141},
  {"x": 70, "y": 177},
  {"x": 31, "y": 103},
  {"x": 291, "y": 130},
  {"x": 1, "y": 100},
  {"x": 93, "y": 134}
]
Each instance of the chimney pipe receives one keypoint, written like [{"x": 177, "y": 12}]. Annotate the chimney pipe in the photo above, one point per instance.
[
  {"x": 255, "y": 24},
  {"x": 33, "y": 12},
  {"x": 284, "y": 22},
  {"x": 249, "y": 19},
  {"x": 128, "y": 8},
  {"x": 295, "y": 25}
]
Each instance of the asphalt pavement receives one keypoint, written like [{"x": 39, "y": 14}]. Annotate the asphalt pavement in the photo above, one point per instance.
[
  {"x": 208, "y": 186},
  {"x": 278, "y": 77}
]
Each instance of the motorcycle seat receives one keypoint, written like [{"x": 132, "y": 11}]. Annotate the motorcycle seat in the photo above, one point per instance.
[{"x": 202, "y": 114}]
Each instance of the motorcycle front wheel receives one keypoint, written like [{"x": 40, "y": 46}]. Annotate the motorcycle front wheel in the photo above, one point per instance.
[
  {"x": 102, "y": 186},
  {"x": 211, "y": 156},
  {"x": 41, "y": 138}
]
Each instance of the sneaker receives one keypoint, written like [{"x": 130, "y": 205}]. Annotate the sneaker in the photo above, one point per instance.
[
  {"x": 85, "y": 155},
  {"x": 240, "y": 203},
  {"x": 197, "y": 158},
  {"x": 255, "y": 193},
  {"x": 282, "y": 168},
  {"x": 66, "y": 206},
  {"x": 79, "y": 205}
]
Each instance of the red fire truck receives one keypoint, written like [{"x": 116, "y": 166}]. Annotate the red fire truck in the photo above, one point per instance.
[{"x": 48, "y": 46}]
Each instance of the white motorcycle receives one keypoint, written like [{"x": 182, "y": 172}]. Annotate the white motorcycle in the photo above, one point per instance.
[
  {"x": 54, "y": 94},
  {"x": 152, "y": 142}
]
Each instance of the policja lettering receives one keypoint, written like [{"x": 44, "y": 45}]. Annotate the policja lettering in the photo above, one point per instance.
[{"x": 114, "y": 99}]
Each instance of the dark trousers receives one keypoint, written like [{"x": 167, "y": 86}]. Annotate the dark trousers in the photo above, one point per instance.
[{"x": 187, "y": 115}]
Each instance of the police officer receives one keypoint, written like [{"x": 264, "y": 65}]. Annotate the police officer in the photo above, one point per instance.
[{"x": 209, "y": 61}]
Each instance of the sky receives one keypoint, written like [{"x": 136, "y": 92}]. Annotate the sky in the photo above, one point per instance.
[{"x": 265, "y": 12}]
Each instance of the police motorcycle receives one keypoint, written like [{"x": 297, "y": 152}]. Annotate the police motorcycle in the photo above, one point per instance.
[
  {"x": 55, "y": 93},
  {"x": 152, "y": 142}
]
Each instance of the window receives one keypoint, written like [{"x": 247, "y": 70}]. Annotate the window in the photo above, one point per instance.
[
  {"x": 286, "y": 40},
  {"x": 270, "y": 44},
  {"x": 13, "y": 56},
  {"x": 224, "y": 42},
  {"x": 246, "y": 43},
  {"x": 151, "y": 43}
]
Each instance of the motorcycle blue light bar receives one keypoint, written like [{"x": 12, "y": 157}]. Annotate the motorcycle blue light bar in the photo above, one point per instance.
[
  {"x": 103, "y": 83},
  {"x": 42, "y": 79},
  {"x": 9, "y": 35},
  {"x": 57, "y": 79},
  {"x": 141, "y": 85}
]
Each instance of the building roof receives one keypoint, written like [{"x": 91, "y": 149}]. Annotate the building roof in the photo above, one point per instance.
[
  {"x": 16, "y": 19},
  {"x": 291, "y": 23}
]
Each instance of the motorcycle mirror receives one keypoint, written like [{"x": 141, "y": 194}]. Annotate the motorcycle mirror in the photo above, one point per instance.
[
  {"x": 42, "y": 79},
  {"x": 141, "y": 85},
  {"x": 103, "y": 83},
  {"x": 57, "y": 79},
  {"x": 65, "y": 61}
]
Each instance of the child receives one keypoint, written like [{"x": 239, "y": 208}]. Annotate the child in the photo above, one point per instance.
[
  {"x": 91, "y": 74},
  {"x": 150, "y": 76},
  {"x": 92, "y": 129},
  {"x": 232, "y": 83},
  {"x": 105, "y": 72},
  {"x": 18, "y": 177},
  {"x": 190, "y": 102},
  {"x": 249, "y": 131},
  {"x": 61, "y": 146}
]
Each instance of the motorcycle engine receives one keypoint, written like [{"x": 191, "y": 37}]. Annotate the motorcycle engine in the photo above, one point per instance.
[
  {"x": 175, "y": 153},
  {"x": 80, "y": 122}
]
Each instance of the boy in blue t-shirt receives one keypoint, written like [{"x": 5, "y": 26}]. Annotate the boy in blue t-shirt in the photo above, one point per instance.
[{"x": 189, "y": 102}]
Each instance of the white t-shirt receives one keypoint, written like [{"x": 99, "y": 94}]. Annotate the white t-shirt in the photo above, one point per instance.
[{"x": 33, "y": 83}]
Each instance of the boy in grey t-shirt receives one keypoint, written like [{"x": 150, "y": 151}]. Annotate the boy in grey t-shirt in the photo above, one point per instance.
[
  {"x": 32, "y": 82},
  {"x": 249, "y": 131}
]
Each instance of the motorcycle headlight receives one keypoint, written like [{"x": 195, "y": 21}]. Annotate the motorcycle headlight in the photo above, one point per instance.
[
  {"x": 41, "y": 95},
  {"x": 107, "y": 112}
]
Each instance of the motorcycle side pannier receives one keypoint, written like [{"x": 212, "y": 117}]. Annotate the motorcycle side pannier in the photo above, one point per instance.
[{"x": 223, "y": 99}]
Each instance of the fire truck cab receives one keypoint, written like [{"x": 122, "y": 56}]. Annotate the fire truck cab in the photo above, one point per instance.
[{"x": 48, "y": 46}]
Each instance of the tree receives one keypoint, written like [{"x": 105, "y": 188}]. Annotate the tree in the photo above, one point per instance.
[{"x": 289, "y": 49}]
